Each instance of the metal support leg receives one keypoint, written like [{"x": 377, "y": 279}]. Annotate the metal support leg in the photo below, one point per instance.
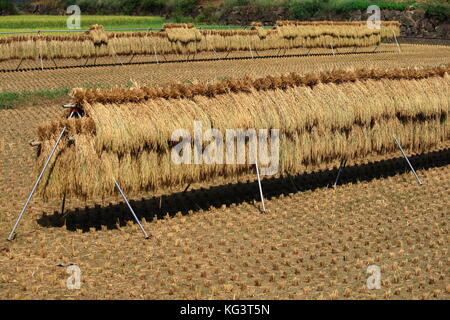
[
  {"x": 20, "y": 63},
  {"x": 117, "y": 58},
  {"x": 42, "y": 63},
  {"x": 407, "y": 160},
  {"x": 63, "y": 206},
  {"x": 186, "y": 189},
  {"x": 131, "y": 59},
  {"x": 131, "y": 209},
  {"x": 292, "y": 182},
  {"x": 398, "y": 45},
  {"x": 53, "y": 60},
  {"x": 156, "y": 56},
  {"x": 260, "y": 187},
  {"x": 341, "y": 168},
  {"x": 13, "y": 231}
]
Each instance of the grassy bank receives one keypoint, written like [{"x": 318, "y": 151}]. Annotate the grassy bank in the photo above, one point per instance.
[
  {"x": 13, "y": 100},
  {"x": 53, "y": 22}
]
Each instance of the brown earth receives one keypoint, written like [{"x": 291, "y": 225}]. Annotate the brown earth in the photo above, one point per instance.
[{"x": 314, "y": 241}]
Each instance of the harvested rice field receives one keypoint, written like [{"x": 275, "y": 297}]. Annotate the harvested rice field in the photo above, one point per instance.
[
  {"x": 209, "y": 238},
  {"x": 166, "y": 73}
]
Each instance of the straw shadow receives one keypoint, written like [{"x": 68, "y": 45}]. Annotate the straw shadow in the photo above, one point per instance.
[{"x": 236, "y": 193}]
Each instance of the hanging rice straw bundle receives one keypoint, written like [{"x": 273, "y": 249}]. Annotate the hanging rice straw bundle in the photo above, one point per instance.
[
  {"x": 98, "y": 35},
  {"x": 130, "y": 133}
]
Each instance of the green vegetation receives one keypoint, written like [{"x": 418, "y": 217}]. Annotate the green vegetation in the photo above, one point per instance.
[
  {"x": 7, "y": 7},
  {"x": 439, "y": 9},
  {"x": 151, "y": 13},
  {"x": 50, "y": 22},
  {"x": 306, "y": 9},
  {"x": 124, "y": 7},
  {"x": 10, "y": 100},
  {"x": 53, "y": 22},
  {"x": 13, "y": 100}
]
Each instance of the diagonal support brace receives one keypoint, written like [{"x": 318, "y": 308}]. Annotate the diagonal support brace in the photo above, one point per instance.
[
  {"x": 341, "y": 168},
  {"x": 131, "y": 210},
  {"x": 407, "y": 160},
  {"x": 13, "y": 231},
  {"x": 260, "y": 187}
]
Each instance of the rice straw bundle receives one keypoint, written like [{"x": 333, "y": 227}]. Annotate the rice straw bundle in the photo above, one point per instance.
[
  {"x": 98, "y": 35},
  {"x": 183, "y": 37},
  {"x": 126, "y": 133},
  {"x": 262, "y": 33}
]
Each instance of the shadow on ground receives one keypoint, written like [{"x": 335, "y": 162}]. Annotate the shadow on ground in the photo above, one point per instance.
[{"x": 236, "y": 193}]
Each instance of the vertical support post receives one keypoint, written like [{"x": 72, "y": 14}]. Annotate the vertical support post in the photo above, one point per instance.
[
  {"x": 250, "y": 47},
  {"x": 156, "y": 56},
  {"x": 40, "y": 56},
  {"x": 407, "y": 160},
  {"x": 260, "y": 187},
  {"x": 131, "y": 210},
  {"x": 341, "y": 168},
  {"x": 13, "y": 231}
]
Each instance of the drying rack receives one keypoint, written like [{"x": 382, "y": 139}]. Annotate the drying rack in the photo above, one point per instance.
[{"x": 75, "y": 111}]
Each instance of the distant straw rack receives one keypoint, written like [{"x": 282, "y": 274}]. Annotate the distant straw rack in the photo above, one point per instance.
[{"x": 187, "y": 39}]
